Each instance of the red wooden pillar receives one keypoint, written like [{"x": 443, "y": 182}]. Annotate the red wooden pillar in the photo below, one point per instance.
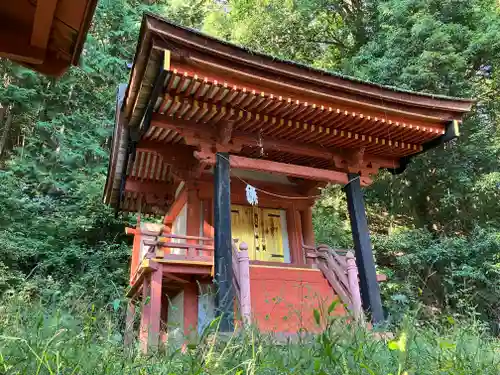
[
  {"x": 208, "y": 227},
  {"x": 294, "y": 236},
  {"x": 155, "y": 309},
  {"x": 145, "y": 314},
  {"x": 190, "y": 310},
  {"x": 307, "y": 229},
  {"x": 136, "y": 250},
  {"x": 208, "y": 222},
  {"x": 151, "y": 311},
  {"x": 193, "y": 217}
]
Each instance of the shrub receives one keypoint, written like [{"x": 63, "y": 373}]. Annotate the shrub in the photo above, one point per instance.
[
  {"x": 49, "y": 339},
  {"x": 459, "y": 274}
]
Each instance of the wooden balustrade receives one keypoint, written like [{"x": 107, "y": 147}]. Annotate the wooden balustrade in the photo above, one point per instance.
[
  {"x": 339, "y": 268},
  {"x": 241, "y": 280},
  {"x": 193, "y": 249},
  {"x": 175, "y": 248},
  {"x": 165, "y": 246}
]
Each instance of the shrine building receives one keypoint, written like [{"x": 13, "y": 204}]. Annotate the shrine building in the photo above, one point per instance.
[{"x": 205, "y": 127}]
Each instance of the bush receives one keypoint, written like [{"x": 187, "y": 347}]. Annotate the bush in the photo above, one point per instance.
[
  {"x": 80, "y": 339},
  {"x": 459, "y": 274}
]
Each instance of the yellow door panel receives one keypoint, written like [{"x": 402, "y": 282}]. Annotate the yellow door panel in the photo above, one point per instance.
[
  {"x": 261, "y": 230},
  {"x": 272, "y": 236},
  {"x": 242, "y": 227}
]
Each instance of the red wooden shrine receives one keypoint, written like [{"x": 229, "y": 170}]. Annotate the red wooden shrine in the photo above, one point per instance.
[{"x": 199, "y": 121}]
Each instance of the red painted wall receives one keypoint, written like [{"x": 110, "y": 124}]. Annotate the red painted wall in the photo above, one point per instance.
[{"x": 283, "y": 299}]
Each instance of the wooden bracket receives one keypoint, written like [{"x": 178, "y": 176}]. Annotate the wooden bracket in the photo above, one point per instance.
[{"x": 226, "y": 129}]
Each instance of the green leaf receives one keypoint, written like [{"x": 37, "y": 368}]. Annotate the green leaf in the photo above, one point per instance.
[
  {"x": 116, "y": 304},
  {"x": 447, "y": 345},
  {"x": 317, "y": 364},
  {"x": 317, "y": 316},
  {"x": 399, "y": 344},
  {"x": 332, "y": 306},
  {"x": 393, "y": 345}
]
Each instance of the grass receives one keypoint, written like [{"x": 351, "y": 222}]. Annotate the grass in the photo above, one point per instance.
[{"x": 80, "y": 339}]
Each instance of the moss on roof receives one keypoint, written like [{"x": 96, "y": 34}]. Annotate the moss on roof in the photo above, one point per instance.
[{"x": 304, "y": 66}]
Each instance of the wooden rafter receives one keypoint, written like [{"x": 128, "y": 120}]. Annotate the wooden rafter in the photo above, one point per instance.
[
  {"x": 171, "y": 154},
  {"x": 295, "y": 96},
  {"x": 182, "y": 163},
  {"x": 44, "y": 14},
  {"x": 149, "y": 187},
  {"x": 327, "y": 124},
  {"x": 195, "y": 133}
]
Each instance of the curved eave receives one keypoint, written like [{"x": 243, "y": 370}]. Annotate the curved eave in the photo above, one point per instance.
[
  {"x": 82, "y": 33},
  {"x": 215, "y": 52},
  {"x": 117, "y": 154},
  {"x": 46, "y": 36}
]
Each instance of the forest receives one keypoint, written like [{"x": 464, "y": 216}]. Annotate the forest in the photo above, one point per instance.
[{"x": 435, "y": 228}]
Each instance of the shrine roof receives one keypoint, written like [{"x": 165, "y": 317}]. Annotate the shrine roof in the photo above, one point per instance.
[
  {"x": 188, "y": 89},
  {"x": 45, "y": 35}
]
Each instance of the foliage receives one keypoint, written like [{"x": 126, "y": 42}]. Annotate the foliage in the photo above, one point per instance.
[
  {"x": 435, "y": 227},
  {"x": 80, "y": 338},
  {"x": 457, "y": 274},
  {"x": 51, "y": 215}
]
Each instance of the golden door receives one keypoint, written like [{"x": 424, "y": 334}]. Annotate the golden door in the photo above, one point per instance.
[
  {"x": 272, "y": 236},
  {"x": 242, "y": 227},
  {"x": 261, "y": 230}
]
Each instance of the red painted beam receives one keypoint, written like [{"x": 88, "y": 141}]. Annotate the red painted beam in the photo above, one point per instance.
[
  {"x": 172, "y": 154},
  {"x": 260, "y": 165},
  {"x": 193, "y": 269}
]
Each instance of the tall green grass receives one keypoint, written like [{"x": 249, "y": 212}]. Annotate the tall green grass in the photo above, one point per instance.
[{"x": 79, "y": 339}]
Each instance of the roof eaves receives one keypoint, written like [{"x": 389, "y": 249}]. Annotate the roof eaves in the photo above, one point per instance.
[{"x": 312, "y": 69}]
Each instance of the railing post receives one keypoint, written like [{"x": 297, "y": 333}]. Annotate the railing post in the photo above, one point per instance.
[
  {"x": 193, "y": 219},
  {"x": 145, "y": 314},
  {"x": 136, "y": 250},
  {"x": 244, "y": 282},
  {"x": 352, "y": 276}
]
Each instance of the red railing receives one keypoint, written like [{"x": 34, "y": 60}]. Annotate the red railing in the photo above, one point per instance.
[
  {"x": 192, "y": 248},
  {"x": 153, "y": 244},
  {"x": 341, "y": 272}
]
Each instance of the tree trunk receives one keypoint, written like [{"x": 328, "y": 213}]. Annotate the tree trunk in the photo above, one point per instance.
[{"x": 6, "y": 129}]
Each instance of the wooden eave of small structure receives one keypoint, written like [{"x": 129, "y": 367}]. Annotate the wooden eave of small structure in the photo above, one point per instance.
[
  {"x": 191, "y": 93},
  {"x": 45, "y": 35}
]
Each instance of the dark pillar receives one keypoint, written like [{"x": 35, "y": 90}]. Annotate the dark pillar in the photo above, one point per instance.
[
  {"x": 223, "y": 243},
  {"x": 370, "y": 291}
]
